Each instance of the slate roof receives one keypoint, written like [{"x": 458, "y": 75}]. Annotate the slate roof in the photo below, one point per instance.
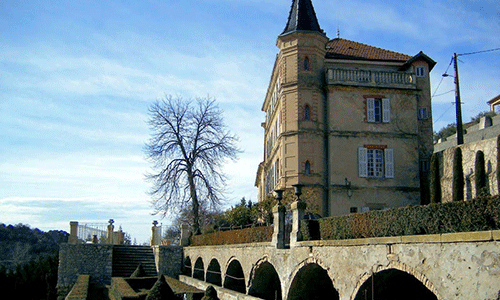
[
  {"x": 341, "y": 48},
  {"x": 302, "y": 18}
]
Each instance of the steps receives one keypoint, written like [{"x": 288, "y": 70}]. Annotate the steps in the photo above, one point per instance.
[{"x": 127, "y": 258}]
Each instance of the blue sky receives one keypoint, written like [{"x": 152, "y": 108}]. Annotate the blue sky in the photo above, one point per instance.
[{"x": 77, "y": 77}]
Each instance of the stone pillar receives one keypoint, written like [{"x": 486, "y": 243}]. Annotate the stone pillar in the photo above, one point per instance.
[
  {"x": 111, "y": 229},
  {"x": 155, "y": 234},
  {"x": 73, "y": 233},
  {"x": 279, "y": 226},
  {"x": 298, "y": 207},
  {"x": 185, "y": 233},
  {"x": 279, "y": 211}
]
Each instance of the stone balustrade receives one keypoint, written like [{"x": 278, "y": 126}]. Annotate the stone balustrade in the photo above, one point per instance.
[{"x": 359, "y": 77}]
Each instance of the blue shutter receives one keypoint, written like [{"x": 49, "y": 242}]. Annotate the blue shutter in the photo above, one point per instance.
[
  {"x": 362, "y": 164},
  {"x": 370, "y": 110},
  {"x": 389, "y": 163},
  {"x": 386, "y": 110}
]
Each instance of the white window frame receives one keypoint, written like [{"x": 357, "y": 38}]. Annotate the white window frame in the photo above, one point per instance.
[
  {"x": 378, "y": 110},
  {"x": 376, "y": 163}
]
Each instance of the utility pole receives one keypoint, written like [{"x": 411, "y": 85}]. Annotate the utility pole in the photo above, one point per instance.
[{"x": 458, "y": 107}]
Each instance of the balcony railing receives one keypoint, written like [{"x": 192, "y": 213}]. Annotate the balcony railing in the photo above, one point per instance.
[{"x": 371, "y": 78}]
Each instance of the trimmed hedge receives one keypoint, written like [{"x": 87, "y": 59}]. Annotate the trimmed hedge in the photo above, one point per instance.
[
  {"x": 241, "y": 236},
  {"x": 436, "y": 218}
]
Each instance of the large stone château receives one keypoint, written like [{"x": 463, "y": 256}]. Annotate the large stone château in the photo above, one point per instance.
[{"x": 349, "y": 121}]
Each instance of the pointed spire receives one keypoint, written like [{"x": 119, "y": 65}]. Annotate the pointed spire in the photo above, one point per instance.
[{"x": 302, "y": 18}]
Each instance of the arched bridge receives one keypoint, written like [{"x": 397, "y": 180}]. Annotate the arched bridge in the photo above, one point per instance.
[{"x": 446, "y": 266}]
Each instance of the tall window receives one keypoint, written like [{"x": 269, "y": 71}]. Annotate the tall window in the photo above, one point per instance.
[
  {"x": 307, "y": 112},
  {"x": 306, "y": 64},
  {"x": 376, "y": 162},
  {"x": 378, "y": 110},
  {"x": 307, "y": 168}
]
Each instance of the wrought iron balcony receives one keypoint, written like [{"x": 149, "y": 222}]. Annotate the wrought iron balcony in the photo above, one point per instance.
[{"x": 356, "y": 77}]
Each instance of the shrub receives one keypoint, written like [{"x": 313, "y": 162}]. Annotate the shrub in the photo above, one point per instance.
[
  {"x": 458, "y": 176},
  {"x": 435, "y": 180},
  {"x": 241, "y": 236},
  {"x": 477, "y": 215},
  {"x": 480, "y": 174}
]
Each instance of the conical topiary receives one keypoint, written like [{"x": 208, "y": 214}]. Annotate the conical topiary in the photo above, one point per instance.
[
  {"x": 139, "y": 272},
  {"x": 210, "y": 294},
  {"x": 161, "y": 291}
]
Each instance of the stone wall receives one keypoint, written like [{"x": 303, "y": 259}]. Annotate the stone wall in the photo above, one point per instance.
[
  {"x": 84, "y": 259},
  {"x": 169, "y": 260},
  {"x": 469, "y": 151}
]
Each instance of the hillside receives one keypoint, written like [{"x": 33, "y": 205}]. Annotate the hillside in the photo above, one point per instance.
[{"x": 19, "y": 244}]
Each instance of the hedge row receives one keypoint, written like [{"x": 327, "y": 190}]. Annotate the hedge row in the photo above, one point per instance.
[
  {"x": 241, "y": 236},
  {"x": 436, "y": 218}
]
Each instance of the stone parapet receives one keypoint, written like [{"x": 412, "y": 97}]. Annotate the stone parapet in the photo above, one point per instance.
[{"x": 457, "y": 237}]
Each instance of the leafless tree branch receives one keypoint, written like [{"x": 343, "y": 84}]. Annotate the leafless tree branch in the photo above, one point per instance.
[{"x": 188, "y": 146}]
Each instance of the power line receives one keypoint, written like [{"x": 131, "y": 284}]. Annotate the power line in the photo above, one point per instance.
[
  {"x": 445, "y": 72},
  {"x": 444, "y": 93},
  {"x": 443, "y": 114},
  {"x": 477, "y": 52}
]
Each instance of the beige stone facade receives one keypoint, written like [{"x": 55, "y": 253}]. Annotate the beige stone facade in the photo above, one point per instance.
[{"x": 350, "y": 122}]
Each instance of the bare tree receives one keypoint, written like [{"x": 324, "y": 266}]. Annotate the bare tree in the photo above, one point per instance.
[{"x": 188, "y": 146}]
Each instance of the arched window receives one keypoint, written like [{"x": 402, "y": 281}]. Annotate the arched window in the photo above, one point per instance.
[
  {"x": 306, "y": 64},
  {"x": 307, "y": 112},
  {"x": 307, "y": 168}
]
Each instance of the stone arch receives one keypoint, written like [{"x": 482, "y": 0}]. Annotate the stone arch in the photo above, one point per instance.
[
  {"x": 311, "y": 281},
  {"x": 186, "y": 267},
  {"x": 234, "y": 278},
  {"x": 264, "y": 281},
  {"x": 214, "y": 275},
  {"x": 399, "y": 276},
  {"x": 199, "y": 269}
]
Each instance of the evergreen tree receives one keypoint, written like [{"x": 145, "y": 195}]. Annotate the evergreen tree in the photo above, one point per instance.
[
  {"x": 435, "y": 180},
  {"x": 458, "y": 176},
  {"x": 480, "y": 174}
]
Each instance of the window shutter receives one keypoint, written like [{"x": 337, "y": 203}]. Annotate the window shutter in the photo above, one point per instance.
[
  {"x": 370, "y": 110},
  {"x": 389, "y": 163},
  {"x": 362, "y": 165},
  {"x": 386, "y": 110}
]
